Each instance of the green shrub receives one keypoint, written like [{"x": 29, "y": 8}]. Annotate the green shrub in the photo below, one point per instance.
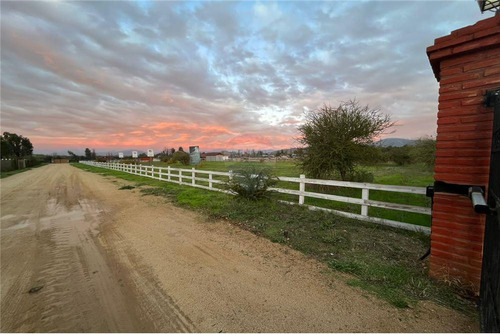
[
  {"x": 361, "y": 175},
  {"x": 181, "y": 157},
  {"x": 32, "y": 162},
  {"x": 424, "y": 151},
  {"x": 401, "y": 155},
  {"x": 252, "y": 182}
]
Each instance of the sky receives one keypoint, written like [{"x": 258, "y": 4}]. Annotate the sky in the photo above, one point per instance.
[{"x": 221, "y": 75}]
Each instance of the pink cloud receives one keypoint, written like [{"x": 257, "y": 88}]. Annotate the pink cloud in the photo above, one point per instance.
[{"x": 177, "y": 126}]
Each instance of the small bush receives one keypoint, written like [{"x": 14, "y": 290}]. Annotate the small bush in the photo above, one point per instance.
[
  {"x": 181, "y": 157},
  {"x": 32, "y": 162},
  {"x": 361, "y": 175},
  {"x": 252, "y": 182},
  {"x": 401, "y": 155},
  {"x": 424, "y": 151}
]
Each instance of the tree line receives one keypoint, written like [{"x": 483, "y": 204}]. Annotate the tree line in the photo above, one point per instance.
[{"x": 15, "y": 146}]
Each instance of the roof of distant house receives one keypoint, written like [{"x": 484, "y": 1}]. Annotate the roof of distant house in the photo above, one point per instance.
[{"x": 212, "y": 154}]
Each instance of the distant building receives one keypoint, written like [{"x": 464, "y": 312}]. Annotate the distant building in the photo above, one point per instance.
[{"x": 214, "y": 156}]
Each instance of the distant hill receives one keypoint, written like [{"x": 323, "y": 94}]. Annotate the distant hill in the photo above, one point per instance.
[{"x": 396, "y": 142}]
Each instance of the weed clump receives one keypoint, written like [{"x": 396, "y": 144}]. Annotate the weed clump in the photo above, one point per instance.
[{"x": 251, "y": 182}]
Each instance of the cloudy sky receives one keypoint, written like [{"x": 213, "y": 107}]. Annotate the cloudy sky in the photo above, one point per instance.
[{"x": 221, "y": 75}]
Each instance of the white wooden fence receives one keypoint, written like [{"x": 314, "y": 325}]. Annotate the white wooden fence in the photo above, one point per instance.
[{"x": 190, "y": 176}]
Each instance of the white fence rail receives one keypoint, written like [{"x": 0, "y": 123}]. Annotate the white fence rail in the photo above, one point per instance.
[{"x": 190, "y": 176}]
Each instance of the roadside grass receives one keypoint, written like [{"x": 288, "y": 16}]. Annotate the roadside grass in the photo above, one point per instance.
[
  {"x": 379, "y": 259},
  {"x": 17, "y": 171},
  {"x": 126, "y": 187}
]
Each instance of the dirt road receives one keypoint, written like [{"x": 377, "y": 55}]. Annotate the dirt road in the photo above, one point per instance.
[{"x": 105, "y": 259}]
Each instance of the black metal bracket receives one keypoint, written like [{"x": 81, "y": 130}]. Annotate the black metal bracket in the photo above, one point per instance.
[
  {"x": 453, "y": 188},
  {"x": 492, "y": 98},
  {"x": 429, "y": 191},
  {"x": 473, "y": 192}
]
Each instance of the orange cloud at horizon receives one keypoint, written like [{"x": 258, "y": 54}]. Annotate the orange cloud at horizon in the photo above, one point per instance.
[
  {"x": 174, "y": 134},
  {"x": 166, "y": 134}
]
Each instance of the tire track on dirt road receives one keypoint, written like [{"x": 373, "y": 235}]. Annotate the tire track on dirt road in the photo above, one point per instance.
[{"x": 49, "y": 229}]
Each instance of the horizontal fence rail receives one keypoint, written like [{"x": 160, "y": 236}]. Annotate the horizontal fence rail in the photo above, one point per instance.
[{"x": 212, "y": 179}]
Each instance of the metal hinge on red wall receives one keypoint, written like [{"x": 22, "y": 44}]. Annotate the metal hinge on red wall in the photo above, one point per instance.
[{"x": 473, "y": 192}]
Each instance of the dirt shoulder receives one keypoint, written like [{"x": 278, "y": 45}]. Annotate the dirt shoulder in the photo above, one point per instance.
[{"x": 113, "y": 260}]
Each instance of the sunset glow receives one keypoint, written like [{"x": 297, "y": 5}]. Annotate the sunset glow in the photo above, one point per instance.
[{"x": 223, "y": 75}]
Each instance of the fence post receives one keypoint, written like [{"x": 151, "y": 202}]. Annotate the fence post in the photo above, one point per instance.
[
  {"x": 364, "y": 195},
  {"x": 180, "y": 176},
  {"x": 168, "y": 173},
  {"x": 302, "y": 188},
  {"x": 230, "y": 175},
  {"x": 193, "y": 173},
  {"x": 210, "y": 180}
]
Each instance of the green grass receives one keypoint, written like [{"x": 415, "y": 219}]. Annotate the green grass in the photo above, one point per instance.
[
  {"x": 17, "y": 171},
  {"x": 378, "y": 259},
  {"x": 389, "y": 174}
]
